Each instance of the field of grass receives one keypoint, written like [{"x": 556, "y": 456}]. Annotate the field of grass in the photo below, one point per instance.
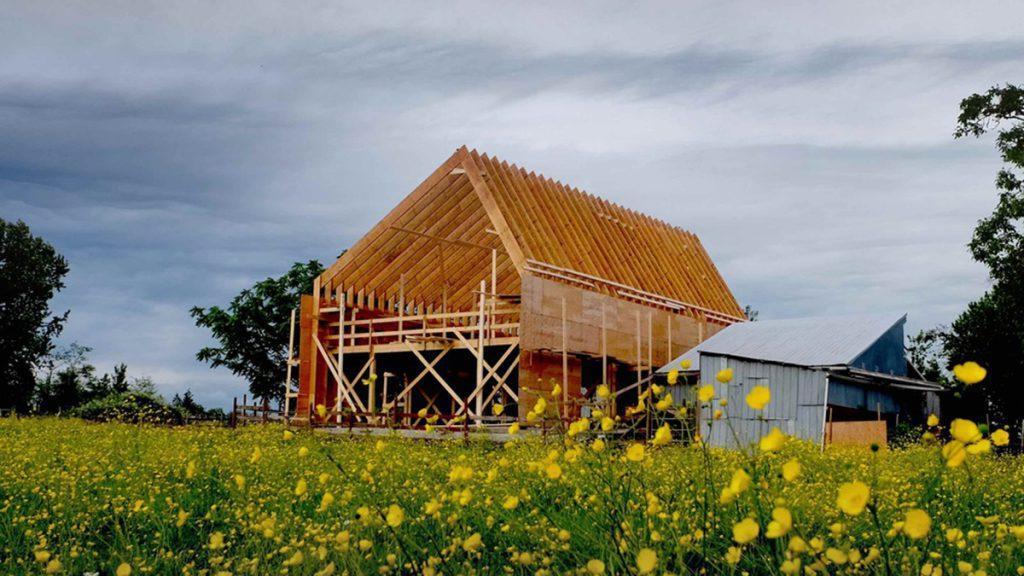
[{"x": 124, "y": 499}]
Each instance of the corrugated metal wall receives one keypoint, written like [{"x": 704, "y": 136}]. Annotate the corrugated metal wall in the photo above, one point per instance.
[{"x": 797, "y": 406}]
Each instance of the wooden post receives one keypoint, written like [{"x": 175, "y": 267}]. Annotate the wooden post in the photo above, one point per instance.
[
  {"x": 341, "y": 352},
  {"x": 565, "y": 364},
  {"x": 401, "y": 304},
  {"x": 639, "y": 359},
  {"x": 314, "y": 334},
  {"x": 288, "y": 370},
  {"x": 494, "y": 289},
  {"x": 480, "y": 350},
  {"x": 650, "y": 343},
  {"x": 604, "y": 348},
  {"x": 670, "y": 356},
  {"x": 372, "y": 404}
]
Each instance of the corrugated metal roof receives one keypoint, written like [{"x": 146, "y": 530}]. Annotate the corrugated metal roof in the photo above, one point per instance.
[{"x": 803, "y": 342}]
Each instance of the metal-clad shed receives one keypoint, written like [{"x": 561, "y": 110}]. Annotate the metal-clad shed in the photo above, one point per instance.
[{"x": 821, "y": 371}]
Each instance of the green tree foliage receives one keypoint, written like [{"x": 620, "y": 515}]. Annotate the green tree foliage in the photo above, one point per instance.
[
  {"x": 926, "y": 354},
  {"x": 253, "y": 331},
  {"x": 31, "y": 273},
  {"x": 66, "y": 379},
  {"x": 991, "y": 330}
]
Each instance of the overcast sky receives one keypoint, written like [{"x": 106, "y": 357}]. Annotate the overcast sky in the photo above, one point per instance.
[{"x": 177, "y": 152}]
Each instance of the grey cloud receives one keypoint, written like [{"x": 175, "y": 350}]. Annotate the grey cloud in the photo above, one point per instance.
[{"x": 175, "y": 163}]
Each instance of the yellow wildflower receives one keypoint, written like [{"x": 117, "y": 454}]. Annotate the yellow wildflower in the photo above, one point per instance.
[
  {"x": 853, "y": 497},
  {"x": 321, "y": 410},
  {"x": 216, "y": 540},
  {"x": 781, "y": 523},
  {"x": 1000, "y": 437},
  {"x": 646, "y": 561},
  {"x": 933, "y": 420},
  {"x": 473, "y": 543},
  {"x": 595, "y": 567},
  {"x": 791, "y": 470},
  {"x": 965, "y": 431},
  {"x": 123, "y": 569},
  {"x": 497, "y": 409},
  {"x": 836, "y": 556},
  {"x": 598, "y": 445},
  {"x": 969, "y": 373},
  {"x": 980, "y": 447},
  {"x": 395, "y": 516},
  {"x": 954, "y": 452},
  {"x": 511, "y": 503},
  {"x": 553, "y": 470},
  {"x": 724, "y": 375},
  {"x": 288, "y": 435},
  {"x": 53, "y": 566},
  {"x": 300, "y": 487},
  {"x": 773, "y": 441},
  {"x": 685, "y": 365},
  {"x": 635, "y": 452},
  {"x": 256, "y": 455},
  {"x": 673, "y": 376},
  {"x": 663, "y": 435},
  {"x": 607, "y": 424},
  {"x": 603, "y": 391},
  {"x": 706, "y": 393},
  {"x": 917, "y": 523},
  {"x": 513, "y": 429},
  {"x": 295, "y": 559},
  {"x": 740, "y": 481},
  {"x": 745, "y": 531},
  {"x": 759, "y": 397}
]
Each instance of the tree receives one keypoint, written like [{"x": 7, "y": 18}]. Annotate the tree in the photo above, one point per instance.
[
  {"x": 68, "y": 380},
  {"x": 31, "y": 273},
  {"x": 991, "y": 330},
  {"x": 253, "y": 330}
]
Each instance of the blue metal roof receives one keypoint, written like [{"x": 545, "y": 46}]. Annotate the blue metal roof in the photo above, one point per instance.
[{"x": 833, "y": 341}]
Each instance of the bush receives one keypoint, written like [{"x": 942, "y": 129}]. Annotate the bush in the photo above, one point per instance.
[{"x": 132, "y": 407}]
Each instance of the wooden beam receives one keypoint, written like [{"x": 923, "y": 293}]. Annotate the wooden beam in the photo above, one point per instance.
[
  {"x": 508, "y": 239},
  {"x": 437, "y": 376},
  {"x": 565, "y": 364}
]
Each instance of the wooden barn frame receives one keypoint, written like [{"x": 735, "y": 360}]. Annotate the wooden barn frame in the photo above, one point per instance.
[{"x": 488, "y": 284}]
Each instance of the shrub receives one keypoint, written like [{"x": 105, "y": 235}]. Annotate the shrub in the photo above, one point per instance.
[{"x": 132, "y": 407}]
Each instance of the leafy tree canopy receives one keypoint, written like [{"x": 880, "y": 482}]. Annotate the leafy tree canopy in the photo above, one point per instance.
[
  {"x": 991, "y": 330},
  {"x": 252, "y": 332},
  {"x": 31, "y": 273}
]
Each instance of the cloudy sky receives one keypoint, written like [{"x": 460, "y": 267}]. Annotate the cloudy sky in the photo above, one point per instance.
[{"x": 176, "y": 152}]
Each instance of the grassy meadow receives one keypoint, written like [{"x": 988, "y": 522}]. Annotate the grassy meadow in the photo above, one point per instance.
[{"x": 123, "y": 499}]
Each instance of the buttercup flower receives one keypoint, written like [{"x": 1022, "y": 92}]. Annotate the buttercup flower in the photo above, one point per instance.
[
  {"x": 759, "y": 397},
  {"x": 706, "y": 393},
  {"x": 969, "y": 373},
  {"x": 917, "y": 523},
  {"x": 745, "y": 531},
  {"x": 646, "y": 561},
  {"x": 853, "y": 497}
]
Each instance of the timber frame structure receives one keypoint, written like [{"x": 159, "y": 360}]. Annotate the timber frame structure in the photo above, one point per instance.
[{"x": 491, "y": 284}]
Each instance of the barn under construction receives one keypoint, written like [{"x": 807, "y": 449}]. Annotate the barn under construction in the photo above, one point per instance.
[{"x": 490, "y": 284}]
